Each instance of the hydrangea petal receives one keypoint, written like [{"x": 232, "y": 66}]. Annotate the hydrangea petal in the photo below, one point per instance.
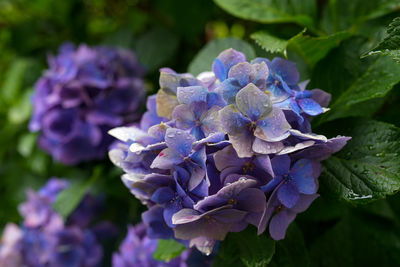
[
  {"x": 310, "y": 107},
  {"x": 253, "y": 103},
  {"x": 274, "y": 127},
  {"x": 225, "y": 61},
  {"x": 288, "y": 194},
  {"x": 302, "y": 173}
]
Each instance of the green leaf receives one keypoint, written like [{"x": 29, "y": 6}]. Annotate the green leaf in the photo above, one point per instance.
[
  {"x": 270, "y": 42},
  {"x": 292, "y": 250},
  {"x": 156, "y": 47},
  {"x": 70, "y": 198},
  {"x": 310, "y": 49},
  {"x": 368, "y": 168},
  {"x": 13, "y": 81},
  {"x": 340, "y": 15},
  {"x": 168, "y": 250},
  {"x": 357, "y": 241},
  {"x": 21, "y": 110},
  {"x": 313, "y": 49},
  {"x": 376, "y": 82},
  {"x": 204, "y": 59},
  {"x": 245, "y": 249},
  {"x": 26, "y": 144},
  {"x": 389, "y": 46},
  {"x": 272, "y": 11}
]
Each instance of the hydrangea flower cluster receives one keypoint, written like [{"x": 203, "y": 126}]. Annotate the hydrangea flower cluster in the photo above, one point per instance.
[
  {"x": 137, "y": 250},
  {"x": 43, "y": 239},
  {"x": 85, "y": 92},
  {"x": 225, "y": 149}
]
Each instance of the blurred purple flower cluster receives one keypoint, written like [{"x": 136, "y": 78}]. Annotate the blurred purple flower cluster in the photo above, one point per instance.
[
  {"x": 137, "y": 251},
  {"x": 84, "y": 93},
  {"x": 225, "y": 149},
  {"x": 43, "y": 239}
]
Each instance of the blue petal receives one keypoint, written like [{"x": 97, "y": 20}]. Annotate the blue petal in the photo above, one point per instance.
[
  {"x": 302, "y": 173},
  {"x": 285, "y": 69},
  {"x": 272, "y": 184},
  {"x": 162, "y": 195},
  {"x": 166, "y": 159},
  {"x": 225, "y": 61},
  {"x": 189, "y": 94},
  {"x": 288, "y": 194},
  {"x": 310, "y": 107},
  {"x": 228, "y": 89},
  {"x": 281, "y": 165},
  {"x": 180, "y": 141},
  {"x": 274, "y": 127}
]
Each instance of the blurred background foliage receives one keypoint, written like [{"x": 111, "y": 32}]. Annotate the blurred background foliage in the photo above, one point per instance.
[{"x": 172, "y": 33}]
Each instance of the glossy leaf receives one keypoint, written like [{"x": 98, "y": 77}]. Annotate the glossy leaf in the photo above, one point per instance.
[
  {"x": 368, "y": 168},
  {"x": 389, "y": 46},
  {"x": 270, "y": 42},
  {"x": 70, "y": 198},
  {"x": 168, "y": 250},
  {"x": 272, "y": 11},
  {"x": 376, "y": 82},
  {"x": 245, "y": 249}
]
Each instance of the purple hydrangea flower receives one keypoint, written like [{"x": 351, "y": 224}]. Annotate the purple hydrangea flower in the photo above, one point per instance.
[
  {"x": 44, "y": 239},
  {"x": 253, "y": 124},
  {"x": 85, "y": 92},
  {"x": 137, "y": 250},
  {"x": 226, "y": 149}
]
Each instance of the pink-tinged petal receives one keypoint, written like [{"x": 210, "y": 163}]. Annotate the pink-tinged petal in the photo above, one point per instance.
[
  {"x": 166, "y": 159},
  {"x": 253, "y": 102},
  {"x": 263, "y": 147},
  {"x": 274, "y": 127},
  {"x": 279, "y": 224},
  {"x": 302, "y": 173},
  {"x": 185, "y": 216}
]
